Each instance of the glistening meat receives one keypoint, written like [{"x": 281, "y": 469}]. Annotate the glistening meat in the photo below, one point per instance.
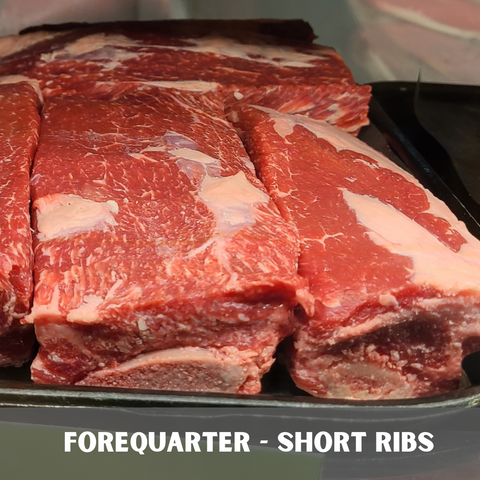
[
  {"x": 285, "y": 73},
  {"x": 161, "y": 262},
  {"x": 19, "y": 125},
  {"x": 394, "y": 274}
]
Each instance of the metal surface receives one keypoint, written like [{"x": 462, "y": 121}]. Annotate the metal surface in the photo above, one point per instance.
[
  {"x": 451, "y": 115},
  {"x": 31, "y": 395}
]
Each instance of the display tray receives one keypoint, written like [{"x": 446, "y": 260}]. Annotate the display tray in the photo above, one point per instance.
[
  {"x": 434, "y": 129},
  {"x": 399, "y": 113}
]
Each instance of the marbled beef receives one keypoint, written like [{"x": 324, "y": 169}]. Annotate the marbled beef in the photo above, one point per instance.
[
  {"x": 19, "y": 125},
  {"x": 395, "y": 276},
  {"x": 160, "y": 260},
  {"x": 285, "y": 73}
]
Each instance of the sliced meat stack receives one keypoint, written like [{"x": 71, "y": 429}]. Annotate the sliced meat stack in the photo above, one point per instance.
[
  {"x": 161, "y": 262},
  {"x": 19, "y": 125},
  {"x": 395, "y": 276},
  {"x": 277, "y": 70}
]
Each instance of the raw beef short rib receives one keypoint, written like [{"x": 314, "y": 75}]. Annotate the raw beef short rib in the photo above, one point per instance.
[
  {"x": 251, "y": 65},
  {"x": 19, "y": 125},
  {"x": 395, "y": 276},
  {"x": 160, "y": 260}
]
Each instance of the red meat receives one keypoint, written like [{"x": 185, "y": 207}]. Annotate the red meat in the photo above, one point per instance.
[
  {"x": 284, "y": 73},
  {"x": 160, "y": 261},
  {"x": 19, "y": 124},
  {"x": 395, "y": 276}
]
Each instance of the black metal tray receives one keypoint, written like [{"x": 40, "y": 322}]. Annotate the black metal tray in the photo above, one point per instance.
[
  {"x": 435, "y": 130},
  {"x": 396, "y": 132}
]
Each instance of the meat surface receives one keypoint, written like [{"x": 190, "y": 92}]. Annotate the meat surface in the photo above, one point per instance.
[
  {"x": 395, "y": 276},
  {"x": 250, "y": 65},
  {"x": 19, "y": 125},
  {"x": 160, "y": 260}
]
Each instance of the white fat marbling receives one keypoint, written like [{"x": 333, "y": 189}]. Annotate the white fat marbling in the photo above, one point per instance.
[
  {"x": 50, "y": 310},
  {"x": 189, "y": 159},
  {"x": 189, "y": 85},
  {"x": 194, "y": 156},
  {"x": 89, "y": 44},
  {"x": 388, "y": 300},
  {"x": 176, "y": 140},
  {"x": 108, "y": 56},
  {"x": 340, "y": 140},
  {"x": 16, "y": 43},
  {"x": 112, "y": 59},
  {"x": 281, "y": 56},
  {"x": 20, "y": 79},
  {"x": 232, "y": 200},
  {"x": 96, "y": 42},
  {"x": 284, "y": 125},
  {"x": 87, "y": 312},
  {"x": 185, "y": 85},
  {"x": 272, "y": 54},
  {"x": 192, "y": 162},
  {"x": 65, "y": 215},
  {"x": 434, "y": 264}
]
